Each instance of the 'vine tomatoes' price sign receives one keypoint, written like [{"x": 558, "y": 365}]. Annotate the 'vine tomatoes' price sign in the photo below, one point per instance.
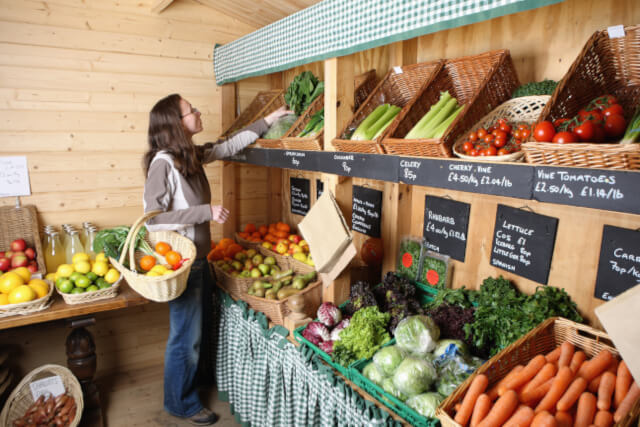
[
  {"x": 319, "y": 188},
  {"x": 590, "y": 188},
  {"x": 619, "y": 265},
  {"x": 372, "y": 166},
  {"x": 300, "y": 195},
  {"x": 366, "y": 211},
  {"x": 523, "y": 243},
  {"x": 293, "y": 159},
  {"x": 445, "y": 226}
]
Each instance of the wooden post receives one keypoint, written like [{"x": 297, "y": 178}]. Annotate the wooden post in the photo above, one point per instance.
[{"x": 228, "y": 184}]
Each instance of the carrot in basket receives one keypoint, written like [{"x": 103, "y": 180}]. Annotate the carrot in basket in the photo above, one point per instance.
[
  {"x": 623, "y": 382},
  {"x": 533, "y": 367},
  {"x": 501, "y": 411},
  {"x": 558, "y": 387},
  {"x": 544, "y": 419},
  {"x": 564, "y": 419},
  {"x": 595, "y": 383},
  {"x": 493, "y": 391},
  {"x": 592, "y": 368},
  {"x": 531, "y": 397},
  {"x": 566, "y": 353},
  {"x": 603, "y": 419},
  {"x": 521, "y": 418},
  {"x": 577, "y": 360},
  {"x": 553, "y": 356},
  {"x": 477, "y": 387},
  {"x": 586, "y": 410},
  {"x": 625, "y": 406},
  {"x": 605, "y": 391},
  {"x": 480, "y": 409},
  {"x": 572, "y": 394},
  {"x": 548, "y": 371}
]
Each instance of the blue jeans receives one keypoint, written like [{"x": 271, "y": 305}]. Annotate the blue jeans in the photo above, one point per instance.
[{"x": 183, "y": 346}]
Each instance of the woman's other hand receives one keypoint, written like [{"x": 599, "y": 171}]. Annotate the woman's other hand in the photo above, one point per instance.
[
  {"x": 282, "y": 111},
  {"x": 219, "y": 214}
]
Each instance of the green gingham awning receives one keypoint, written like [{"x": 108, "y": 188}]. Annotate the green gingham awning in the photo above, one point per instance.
[{"x": 339, "y": 27}]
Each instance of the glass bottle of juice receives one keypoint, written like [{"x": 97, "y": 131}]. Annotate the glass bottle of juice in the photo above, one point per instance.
[
  {"x": 74, "y": 246},
  {"x": 54, "y": 253},
  {"x": 85, "y": 233},
  {"x": 91, "y": 236},
  {"x": 64, "y": 235}
]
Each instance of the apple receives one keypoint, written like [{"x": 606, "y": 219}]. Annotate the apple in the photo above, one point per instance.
[
  {"x": 269, "y": 260},
  {"x": 256, "y": 273},
  {"x": 248, "y": 265},
  {"x": 18, "y": 245},
  {"x": 19, "y": 260},
  {"x": 19, "y": 253},
  {"x": 8, "y": 254},
  {"x": 240, "y": 256},
  {"x": 295, "y": 238},
  {"x": 30, "y": 253},
  {"x": 281, "y": 248},
  {"x": 2, "y": 255},
  {"x": 251, "y": 253},
  {"x": 267, "y": 245},
  {"x": 33, "y": 267},
  {"x": 237, "y": 265},
  {"x": 5, "y": 264},
  {"x": 257, "y": 259}
]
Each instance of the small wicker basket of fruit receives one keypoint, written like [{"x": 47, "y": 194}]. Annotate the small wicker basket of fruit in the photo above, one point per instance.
[
  {"x": 86, "y": 280},
  {"x": 22, "y": 294}
]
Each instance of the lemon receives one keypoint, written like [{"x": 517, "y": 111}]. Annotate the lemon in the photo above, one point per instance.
[
  {"x": 40, "y": 287},
  {"x": 160, "y": 269},
  {"x": 9, "y": 281},
  {"x": 112, "y": 275},
  {"x": 4, "y": 299},
  {"x": 101, "y": 257},
  {"x": 153, "y": 273},
  {"x": 82, "y": 266},
  {"x": 23, "y": 272},
  {"x": 65, "y": 270},
  {"x": 51, "y": 276},
  {"x": 22, "y": 293},
  {"x": 100, "y": 268},
  {"x": 80, "y": 256}
]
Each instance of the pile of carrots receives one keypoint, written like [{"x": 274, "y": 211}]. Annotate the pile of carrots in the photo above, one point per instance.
[
  {"x": 265, "y": 233},
  {"x": 560, "y": 389}
]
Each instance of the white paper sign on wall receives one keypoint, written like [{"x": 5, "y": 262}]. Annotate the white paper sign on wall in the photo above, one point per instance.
[{"x": 14, "y": 176}]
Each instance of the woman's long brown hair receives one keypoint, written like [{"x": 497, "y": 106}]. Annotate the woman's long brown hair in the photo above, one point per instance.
[{"x": 167, "y": 134}]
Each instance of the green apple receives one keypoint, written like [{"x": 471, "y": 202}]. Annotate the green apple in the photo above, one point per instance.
[
  {"x": 240, "y": 256},
  {"x": 270, "y": 260},
  {"x": 257, "y": 259},
  {"x": 256, "y": 273}
]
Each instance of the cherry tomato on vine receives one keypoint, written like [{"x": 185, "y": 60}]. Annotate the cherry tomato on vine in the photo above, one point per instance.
[
  {"x": 473, "y": 136},
  {"x": 598, "y": 133},
  {"x": 614, "y": 109},
  {"x": 490, "y": 151},
  {"x": 482, "y": 132},
  {"x": 467, "y": 146},
  {"x": 615, "y": 125},
  {"x": 565, "y": 138},
  {"x": 556, "y": 123},
  {"x": 543, "y": 132},
  {"x": 489, "y": 138},
  {"x": 503, "y": 151},
  {"x": 474, "y": 153},
  {"x": 505, "y": 127},
  {"x": 585, "y": 131}
]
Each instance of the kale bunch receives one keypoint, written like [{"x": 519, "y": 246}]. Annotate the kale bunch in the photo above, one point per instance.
[
  {"x": 396, "y": 295},
  {"x": 360, "y": 296}
]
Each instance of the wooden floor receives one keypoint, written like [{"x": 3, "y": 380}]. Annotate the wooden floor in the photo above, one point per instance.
[{"x": 135, "y": 399}]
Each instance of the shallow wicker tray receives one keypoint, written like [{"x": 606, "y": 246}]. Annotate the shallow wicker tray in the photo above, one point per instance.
[
  {"x": 21, "y": 399},
  {"x": 291, "y": 142},
  {"x": 22, "y": 223},
  {"x": 253, "y": 112},
  {"x": 85, "y": 297},
  {"x": 541, "y": 340},
  {"x": 525, "y": 109},
  {"x": 277, "y": 310},
  {"x": 30, "y": 306}
]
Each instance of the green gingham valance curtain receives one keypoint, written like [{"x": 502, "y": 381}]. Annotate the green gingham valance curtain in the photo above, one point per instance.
[
  {"x": 339, "y": 27},
  {"x": 270, "y": 382}
]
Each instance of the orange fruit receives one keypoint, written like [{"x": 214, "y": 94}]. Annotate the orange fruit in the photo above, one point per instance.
[
  {"x": 225, "y": 243},
  {"x": 147, "y": 262},
  {"x": 250, "y": 228},
  {"x": 173, "y": 257},
  {"x": 263, "y": 230},
  {"x": 162, "y": 248}
]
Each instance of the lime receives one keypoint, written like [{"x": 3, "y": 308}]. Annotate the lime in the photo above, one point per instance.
[
  {"x": 92, "y": 276},
  {"x": 104, "y": 284},
  {"x": 65, "y": 285},
  {"x": 83, "y": 282},
  {"x": 77, "y": 291},
  {"x": 74, "y": 276},
  {"x": 92, "y": 288},
  {"x": 60, "y": 280}
]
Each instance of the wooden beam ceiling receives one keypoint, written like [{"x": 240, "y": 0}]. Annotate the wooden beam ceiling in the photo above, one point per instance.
[{"x": 258, "y": 13}]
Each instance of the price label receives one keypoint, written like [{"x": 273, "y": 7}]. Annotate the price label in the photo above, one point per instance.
[
  {"x": 619, "y": 264},
  {"x": 366, "y": 211},
  {"x": 14, "y": 176},
  {"x": 300, "y": 195},
  {"x": 47, "y": 386},
  {"x": 372, "y": 166},
  {"x": 445, "y": 226}
]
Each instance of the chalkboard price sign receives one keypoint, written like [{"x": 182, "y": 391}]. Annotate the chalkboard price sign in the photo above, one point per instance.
[
  {"x": 445, "y": 226},
  {"x": 293, "y": 159},
  {"x": 366, "y": 212},
  {"x": 319, "y": 188},
  {"x": 300, "y": 195},
  {"x": 619, "y": 265},
  {"x": 372, "y": 166},
  {"x": 523, "y": 243}
]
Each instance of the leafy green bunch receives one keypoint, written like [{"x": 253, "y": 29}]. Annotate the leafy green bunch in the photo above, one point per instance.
[
  {"x": 304, "y": 88},
  {"x": 111, "y": 241}
]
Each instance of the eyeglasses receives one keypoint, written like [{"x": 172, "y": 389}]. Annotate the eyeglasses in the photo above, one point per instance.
[{"x": 193, "y": 111}]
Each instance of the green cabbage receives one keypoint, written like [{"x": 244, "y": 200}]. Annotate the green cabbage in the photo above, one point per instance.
[
  {"x": 390, "y": 387},
  {"x": 417, "y": 334},
  {"x": 388, "y": 358},
  {"x": 374, "y": 373},
  {"x": 280, "y": 127},
  {"x": 414, "y": 376},
  {"x": 426, "y": 403}
]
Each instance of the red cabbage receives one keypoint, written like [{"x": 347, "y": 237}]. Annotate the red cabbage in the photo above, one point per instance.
[
  {"x": 329, "y": 314},
  {"x": 316, "y": 332},
  {"x": 326, "y": 346},
  {"x": 335, "y": 332}
]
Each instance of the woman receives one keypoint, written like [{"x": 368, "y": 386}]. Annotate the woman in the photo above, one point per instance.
[{"x": 176, "y": 184}]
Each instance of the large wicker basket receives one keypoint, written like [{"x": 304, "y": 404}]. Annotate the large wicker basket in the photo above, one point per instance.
[
  {"x": 281, "y": 260},
  {"x": 85, "y": 297},
  {"x": 247, "y": 243},
  {"x": 479, "y": 82},
  {"x": 315, "y": 143},
  {"x": 21, "y": 399},
  {"x": 253, "y": 112},
  {"x": 525, "y": 109},
  {"x": 235, "y": 286},
  {"x": 30, "y": 306},
  {"x": 541, "y": 340},
  {"x": 277, "y": 310},
  {"x": 277, "y": 102},
  {"x": 364, "y": 84},
  {"x": 604, "y": 66},
  {"x": 22, "y": 223},
  {"x": 156, "y": 288},
  {"x": 399, "y": 89}
]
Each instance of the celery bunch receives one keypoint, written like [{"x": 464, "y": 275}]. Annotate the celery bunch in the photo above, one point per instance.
[
  {"x": 437, "y": 120},
  {"x": 376, "y": 122}
]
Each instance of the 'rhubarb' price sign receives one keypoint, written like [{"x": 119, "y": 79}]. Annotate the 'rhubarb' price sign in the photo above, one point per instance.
[
  {"x": 619, "y": 265},
  {"x": 445, "y": 226}
]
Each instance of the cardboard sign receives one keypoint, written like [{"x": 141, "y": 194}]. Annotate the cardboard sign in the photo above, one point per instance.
[
  {"x": 300, "y": 195},
  {"x": 445, "y": 226},
  {"x": 319, "y": 188},
  {"x": 523, "y": 243},
  {"x": 372, "y": 166},
  {"x": 619, "y": 265},
  {"x": 14, "y": 176},
  {"x": 590, "y": 188},
  {"x": 366, "y": 211}
]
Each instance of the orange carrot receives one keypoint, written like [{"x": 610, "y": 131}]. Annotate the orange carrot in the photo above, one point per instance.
[
  {"x": 548, "y": 371},
  {"x": 572, "y": 394},
  {"x": 553, "y": 356},
  {"x": 623, "y": 382},
  {"x": 534, "y": 395},
  {"x": 558, "y": 387},
  {"x": 576, "y": 361},
  {"x": 521, "y": 418},
  {"x": 586, "y": 410},
  {"x": 595, "y": 383},
  {"x": 480, "y": 409},
  {"x": 566, "y": 353},
  {"x": 501, "y": 411},
  {"x": 477, "y": 387},
  {"x": 603, "y": 419},
  {"x": 592, "y": 368},
  {"x": 457, "y": 406},
  {"x": 533, "y": 367},
  {"x": 625, "y": 406},
  {"x": 493, "y": 391},
  {"x": 544, "y": 419},
  {"x": 605, "y": 391},
  {"x": 564, "y": 419}
]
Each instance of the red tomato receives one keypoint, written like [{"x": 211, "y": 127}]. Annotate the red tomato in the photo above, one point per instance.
[
  {"x": 598, "y": 133},
  {"x": 583, "y": 114},
  {"x": 473, "y": 136},
  {"x": 489, "y": 138},
  {"x": 474, "y": 153},
  {"x": 614, "y": 109},
  {"x": 500, "y": 141},
  {"x": 565, "y": 138},
  {"x": 490, "y": 151},
  {"x": 585, "y": 131},
  {"x": 505, "y": 127},
  {"x": 544, "y": 131},
  {"x": 615, "y": 126},
  {"x": 524, "y": 134},
  {"x": 596, "y": 116},
  {"x": 467, "y": 146},
  {"x": 556, "y": 123},
  {"x": 500, "y": 134},
  {"x": 482, "y": 132},
  {"x": 503, "y": 151}
]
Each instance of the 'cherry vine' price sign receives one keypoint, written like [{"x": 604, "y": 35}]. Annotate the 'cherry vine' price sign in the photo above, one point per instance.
[{"x": 619, "y": 265}]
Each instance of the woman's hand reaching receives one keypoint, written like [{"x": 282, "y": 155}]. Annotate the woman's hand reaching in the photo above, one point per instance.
[
  {"x": 219, "y": 214},
  {"x": 282, "y": 111}
]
